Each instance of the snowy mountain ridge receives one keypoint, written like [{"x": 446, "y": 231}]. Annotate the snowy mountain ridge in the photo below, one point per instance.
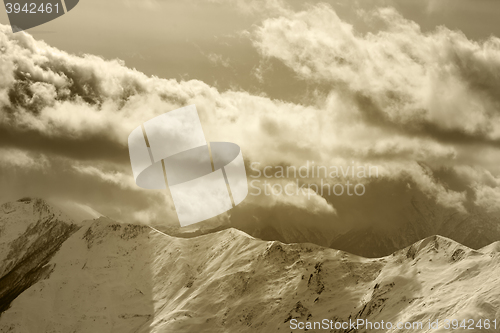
[
  {"x": 31, "y": 232},
  {"x": 114, "y": 277}
]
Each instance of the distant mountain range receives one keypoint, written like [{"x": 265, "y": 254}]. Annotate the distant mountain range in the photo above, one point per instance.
[
  {"x": 421, "y": 217},
  {"x": 474, "y": 229},
  {"x": 103, "y": 276}
]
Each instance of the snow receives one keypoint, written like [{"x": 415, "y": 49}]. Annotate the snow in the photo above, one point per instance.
[
  {"x": 76, "y": 211},
  {"x": 113, "y": 277},
  {"x": 21, "y": 218}
]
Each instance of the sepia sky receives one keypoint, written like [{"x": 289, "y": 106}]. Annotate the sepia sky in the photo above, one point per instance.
[
  {"x": 207, "y": 40},
  {"x": 409, "y": 86}
]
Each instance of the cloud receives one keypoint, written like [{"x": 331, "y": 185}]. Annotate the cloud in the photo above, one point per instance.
[
  {"x": 290, "y": 193},
  {"x": 439, "y": 83},
  {"x": 218, "y": 59},
  {"x": 16, "y": 158},
  {"x": 411, "y": 103},
  {"x": 113, "y": 177},
  {"x": 261, "y": 7},
  {"x": 78, "y": 111},
  {"x": 488, "y": 198}
]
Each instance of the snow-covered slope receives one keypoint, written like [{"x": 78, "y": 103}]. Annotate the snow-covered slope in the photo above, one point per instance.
[
  {"x": 30, "y": 233},
  {"x": 112, "y": 277},
  {"x": 493, "y": 248}
]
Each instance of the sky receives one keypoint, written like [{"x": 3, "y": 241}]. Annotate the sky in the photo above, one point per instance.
[
  {"x": 205, "y": 39},
  {"x": 410, "y": 87}
]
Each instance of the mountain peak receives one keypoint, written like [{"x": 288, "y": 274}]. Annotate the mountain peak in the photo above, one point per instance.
[
  {"x": 492, "y": 248},
  {"x": 438, "y": 245},
  {"x": 32, "y": 231},
  {"x": 28, "y": 206},
  {"x": 236, "y": 233}
]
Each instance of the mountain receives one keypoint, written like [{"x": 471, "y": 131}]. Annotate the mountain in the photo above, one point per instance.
[
  {"x": 493, "y": 248},
  {"x": 31, "y": 232},
  {"x": 372, "y": 232},
  {"x": 113, "y": 277},
  {"x": 416, "y": 218},
  {"x": 473, "y": 229}
]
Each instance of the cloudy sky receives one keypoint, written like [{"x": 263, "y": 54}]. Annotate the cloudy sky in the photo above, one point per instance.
[{"x": 411, "y": 87}]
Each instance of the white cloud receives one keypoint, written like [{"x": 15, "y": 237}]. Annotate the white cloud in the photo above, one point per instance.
[
  {"x": 20, "y": 159},
  {"x": 288, "y": 193},
  {"x": 114, "y": 177},
  {"x": 438, "y": 81}
]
